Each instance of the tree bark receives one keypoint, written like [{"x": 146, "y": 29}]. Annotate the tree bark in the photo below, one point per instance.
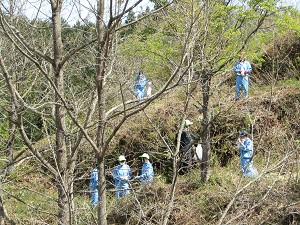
[
  {"x": 100, "y": 80},
  {"x": 205, "y": 165},
  {"x": 60, "y": 111}
]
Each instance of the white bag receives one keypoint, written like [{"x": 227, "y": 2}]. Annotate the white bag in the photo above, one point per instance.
[
  {"x": 149, "y": 91},
  {"x": 199, "y": 151}
]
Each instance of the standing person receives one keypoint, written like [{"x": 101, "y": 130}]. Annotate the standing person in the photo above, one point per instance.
[
  {"x": 140, "y": 83},
  {"x": 245, "y": 146},
  {"x": 122, "y": 174},
  {"x": 185, "y": 150},
  {"x": 94, "y": 186},
  {"x": 147, "y": 175},
  {"x": 242, "y": 69}
]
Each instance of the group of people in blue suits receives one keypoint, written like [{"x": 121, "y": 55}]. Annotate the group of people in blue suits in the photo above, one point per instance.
[
  {"x": 242, "y": 69},
  {"x": 122, "y": 175},
  {"x": 245, "y": 146}
]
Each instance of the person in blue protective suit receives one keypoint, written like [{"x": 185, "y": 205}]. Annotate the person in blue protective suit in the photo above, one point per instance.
[
  {"x": 122, "y": 174},
  {"x": 245, "y": 146},
  {"x": 242, "y": 69},
  {"x": 147, "y": 175},
  {"x": 187, "y": 139},
  {"x": 140, "y": 83},
  {"x": 94, "y": 186}
]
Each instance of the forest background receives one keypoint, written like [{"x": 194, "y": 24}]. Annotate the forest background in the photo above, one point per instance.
[{"x": 67, "y": 103}]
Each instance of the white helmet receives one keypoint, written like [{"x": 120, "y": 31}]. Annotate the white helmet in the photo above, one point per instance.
[
  {"x": 145, "y": 155},
  {"x": 187, "y": 123},
  {"x": 121, "y": 158}
]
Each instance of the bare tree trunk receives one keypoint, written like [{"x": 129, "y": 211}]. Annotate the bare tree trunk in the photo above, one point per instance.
[
  {"x": 10, "y": 146},
  {"x": 102, "y": 214},
  {"x": 10, "y": 143},
  {"x": 60, "y": 111},
  {"x": 9, "y": 165},
  {"x": 100, "y": 142},
  {"x": 2, "y": 214},
  {"x": 102, "y": 220},
  {"x": 100, "y": 80},
  {"x": 205, "y": 166}
]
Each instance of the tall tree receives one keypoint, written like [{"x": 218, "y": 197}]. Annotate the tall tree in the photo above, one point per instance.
[
  {"x": 104, "y": 60},
  {"x": 61, "y": 101},
  {"x": 222, "y": 32},
  {"x": 49, "y": 63}
]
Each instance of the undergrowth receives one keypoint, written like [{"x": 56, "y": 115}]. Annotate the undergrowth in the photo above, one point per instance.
[{"x": 227, "y": 197}]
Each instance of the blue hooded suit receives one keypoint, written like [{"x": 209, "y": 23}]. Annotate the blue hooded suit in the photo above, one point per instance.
[
  {"x": 140, "y": 82},
  {"x": 246, "y": 153},
  {"x": 94, "y": 187},
  {"x": 242, "y": 69}
]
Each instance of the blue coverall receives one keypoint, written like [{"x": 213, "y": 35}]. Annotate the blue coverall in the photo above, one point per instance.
[
  {"x": 122, "y": 174},
  {"x": 242, "y": 69},
  {"x": 147, "y": 175},
  {"x": 94, "y": 186},
  {"x": 140, "y": 82},
  {"x": 246, "y": 153}
]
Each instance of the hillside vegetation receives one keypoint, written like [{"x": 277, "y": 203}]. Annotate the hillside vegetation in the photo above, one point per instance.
[
  {"x": 272, "y": 116},
  {"x": 69, "y": 102}
]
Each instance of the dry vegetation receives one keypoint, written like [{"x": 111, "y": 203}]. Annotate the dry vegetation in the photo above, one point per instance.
[
  {"x": 272, "y": 198},
  {"x": 271, "y": 114}
]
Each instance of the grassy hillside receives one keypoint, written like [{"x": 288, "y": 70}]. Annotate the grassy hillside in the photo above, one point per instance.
[{"x": 271, "y": 114}]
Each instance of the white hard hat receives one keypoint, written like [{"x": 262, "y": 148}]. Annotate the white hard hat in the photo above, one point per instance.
[
  {"x": 145, "y": 155},
  {"x": 187, "y": 123},
  {"x": 121, "y": 158}
]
